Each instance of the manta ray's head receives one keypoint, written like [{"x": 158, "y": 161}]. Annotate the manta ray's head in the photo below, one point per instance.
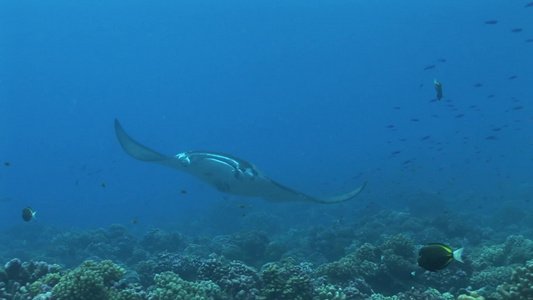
[{"x": 225, "y": 173}]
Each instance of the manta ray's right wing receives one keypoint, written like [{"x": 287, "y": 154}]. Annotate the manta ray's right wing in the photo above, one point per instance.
[{"x": 274, "y": 191}]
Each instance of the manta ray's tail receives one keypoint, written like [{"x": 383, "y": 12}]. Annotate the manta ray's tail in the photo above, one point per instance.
[{"x": 135, "y": 149}]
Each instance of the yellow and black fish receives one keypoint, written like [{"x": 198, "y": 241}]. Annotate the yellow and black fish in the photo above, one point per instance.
[
  {"x": 433, "y": 257},
  {"x": 438, "y": 88},
  {"x": 28, "y": 214}
]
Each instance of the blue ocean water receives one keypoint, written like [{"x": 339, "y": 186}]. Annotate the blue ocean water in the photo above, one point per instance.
[{"x": 320, "y": 95}]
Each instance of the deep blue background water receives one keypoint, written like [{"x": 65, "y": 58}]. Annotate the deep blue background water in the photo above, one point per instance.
[{"x": 319, "y": 95}]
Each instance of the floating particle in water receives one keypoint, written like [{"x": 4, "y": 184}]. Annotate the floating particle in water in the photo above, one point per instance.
[
  {"x": 491, "y": 22},
  {"x": 7, "y": 164},
  {"x": 478, "y": 85},
  {"x": 442, "y": 59},
  {"x": 397, "y": 107},
  {"x": 414, "y": 120},
  {"x": 183, "y": 191},
  {"x": 530, "y": 4},
  {"x": 518, "y": 107},
  {"x": 512, "y": 77},
  {"x": 102, "y": 184},
  {"x": 516, "y": 30},
  {"x": 429, "y": 67},
  {"x": 396, "y": 152},
  {"x": 459, "y": 116},
  {"x": 491, "y": 96},
  {"x": 427, "y": 137},
  {"x": 491, "y": 137},
  {"x": 529, "y": 41}
]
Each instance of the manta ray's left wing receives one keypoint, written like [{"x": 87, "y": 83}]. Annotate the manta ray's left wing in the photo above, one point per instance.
[{"x": 141, "y": 152}]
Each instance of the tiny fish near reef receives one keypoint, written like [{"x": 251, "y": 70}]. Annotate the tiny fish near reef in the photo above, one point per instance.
[{"x": 224, "y": 172}]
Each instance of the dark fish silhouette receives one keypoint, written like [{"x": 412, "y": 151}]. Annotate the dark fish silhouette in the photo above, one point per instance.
[
  {"x": 28, "y": 214},
  {"x": 434, "y": 257}
]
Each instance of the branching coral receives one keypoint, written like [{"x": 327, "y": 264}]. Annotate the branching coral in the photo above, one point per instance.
[{"x": 521, "y": 286}]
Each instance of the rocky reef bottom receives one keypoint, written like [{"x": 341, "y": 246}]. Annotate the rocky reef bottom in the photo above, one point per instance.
[
  {"x": 172, "y": 276},
  {"x": 373, "y": 257}
]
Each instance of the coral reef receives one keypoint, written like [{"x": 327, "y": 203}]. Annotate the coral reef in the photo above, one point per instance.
[
  {"x": 90, "y": 280},
  {"x": 16, "y": 278},
  {"x": 74, "y": 247},
  {"x": 234, "y": 278},
  {"x": 376, "y": 261},
  {"x": 157, "y": 240},
  {"x": 286, "y": 281},
  {"x": 331, "y": 242},
  {"x": 515, "y": 250},
  {"x": 521, "y": 286},
  {"x": 471, "y": 296},
  {"x": 169, "y": 286},
  {"x": 490, "y": 277},
  {"x": 398, "y": 254}
]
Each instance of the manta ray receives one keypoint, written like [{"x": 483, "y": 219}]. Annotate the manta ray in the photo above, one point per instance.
[{"x": 226, "y": 173}]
